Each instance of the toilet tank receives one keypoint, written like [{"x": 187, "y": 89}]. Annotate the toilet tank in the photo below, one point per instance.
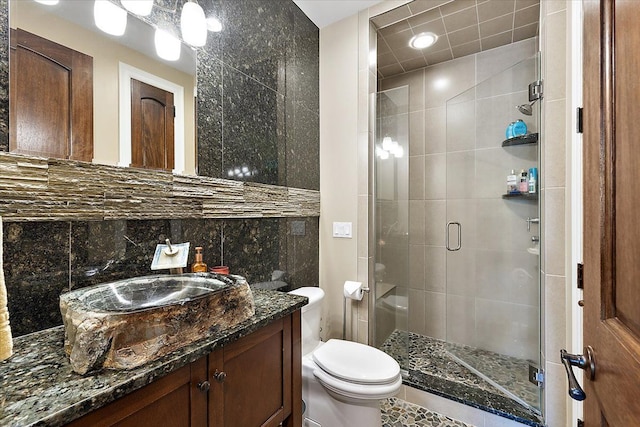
[{"x": 310, "y": 317}]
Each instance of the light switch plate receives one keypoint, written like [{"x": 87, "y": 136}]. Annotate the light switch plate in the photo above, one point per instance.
[{"x": 342, "y": 230}]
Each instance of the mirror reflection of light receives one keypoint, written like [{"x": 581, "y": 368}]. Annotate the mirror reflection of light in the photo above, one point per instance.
[
  {"x": 193, "y": 24},
  {"x": 48, "y": 2},
  {"x": 167, "y": 46},
  {"x": 213, "y": 24},
  {"x": 389, "y": 147},
  {"x": 109, "y": 18},
  {"x": 241, "y": 172},
  {"x": 441, "y": 83},
  {"x": 373, "y": 58},
  {"x": 139, "y": 7},
  {"x": 387, "y": 143}
]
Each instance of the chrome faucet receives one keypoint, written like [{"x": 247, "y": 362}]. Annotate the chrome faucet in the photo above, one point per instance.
[{"x": 171, "y": 256}]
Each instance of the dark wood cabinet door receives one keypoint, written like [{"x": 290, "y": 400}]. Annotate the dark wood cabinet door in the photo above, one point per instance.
[
  {"x": 51, "y": 99},
  {"x": 174, "y": 400},
  {"x": 152, "y": 127},
  {"x": 256, "y": 390}
]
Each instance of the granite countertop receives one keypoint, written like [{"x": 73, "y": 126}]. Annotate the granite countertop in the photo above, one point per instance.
[{"x": 39, "y": 387}]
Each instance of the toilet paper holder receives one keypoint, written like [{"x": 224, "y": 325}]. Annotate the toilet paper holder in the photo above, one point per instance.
[{"x": 351, "y": 290}]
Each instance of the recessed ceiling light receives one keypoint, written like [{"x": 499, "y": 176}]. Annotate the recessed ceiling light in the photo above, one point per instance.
[{"x": 423, "y": 40}]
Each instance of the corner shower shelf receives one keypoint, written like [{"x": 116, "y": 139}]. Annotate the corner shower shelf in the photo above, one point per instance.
[
  {"x": 530, "y": 138},
  {"x": 525, "y": 196}
]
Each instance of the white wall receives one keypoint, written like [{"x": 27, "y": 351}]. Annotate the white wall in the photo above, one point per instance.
[{"x": 338, "y": 164}]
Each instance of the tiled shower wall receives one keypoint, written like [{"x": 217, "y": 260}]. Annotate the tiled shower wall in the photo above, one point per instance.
[
  {"x": 447, "y": 148},
  {"x": 257, "y": 107}
]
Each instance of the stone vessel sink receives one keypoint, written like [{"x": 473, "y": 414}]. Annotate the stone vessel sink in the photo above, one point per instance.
[{"x": 124, "y": 324}]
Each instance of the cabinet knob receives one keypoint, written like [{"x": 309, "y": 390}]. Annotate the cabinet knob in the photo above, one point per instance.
[
  {"x": 204, "y": 386},
  {"x": 220, "y": 376}
]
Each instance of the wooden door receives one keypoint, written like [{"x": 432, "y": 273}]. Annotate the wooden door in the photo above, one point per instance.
[
  {"x": 152, "y": 132},
  {"x": 611, "y": 211},
  {"x": 51, "y": 99}
]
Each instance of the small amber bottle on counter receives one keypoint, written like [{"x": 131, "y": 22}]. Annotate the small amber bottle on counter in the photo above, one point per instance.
[{"x": 198, "y": 266}]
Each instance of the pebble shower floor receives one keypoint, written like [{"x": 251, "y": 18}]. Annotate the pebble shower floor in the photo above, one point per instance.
[{"x": 398, "y": 413}]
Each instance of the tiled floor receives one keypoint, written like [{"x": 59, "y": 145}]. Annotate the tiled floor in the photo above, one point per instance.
[{"x": 398, "y": 413}]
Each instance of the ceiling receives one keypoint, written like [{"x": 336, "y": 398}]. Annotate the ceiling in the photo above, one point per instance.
[
  {"x": 464, "y": 27},
  {"x": 326, "y": 12}
]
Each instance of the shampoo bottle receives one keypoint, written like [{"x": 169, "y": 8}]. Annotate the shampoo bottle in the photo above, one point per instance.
[
  {"x": 198, "y": 266},
  {"x": 533, "y": 180},
  {"x": 523, "y": 184}
]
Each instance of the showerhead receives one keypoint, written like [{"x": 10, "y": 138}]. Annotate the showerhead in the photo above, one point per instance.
[{"x": 526, "y": 108}]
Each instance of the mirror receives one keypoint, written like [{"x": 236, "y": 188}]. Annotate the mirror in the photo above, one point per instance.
[{"x": 116, "y": 60}]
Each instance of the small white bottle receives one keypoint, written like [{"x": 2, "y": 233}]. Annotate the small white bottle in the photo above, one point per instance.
[{"x": 512, "y": 182}]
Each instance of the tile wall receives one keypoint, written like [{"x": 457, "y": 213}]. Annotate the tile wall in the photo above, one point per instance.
[{"x": 257, "y": 107}]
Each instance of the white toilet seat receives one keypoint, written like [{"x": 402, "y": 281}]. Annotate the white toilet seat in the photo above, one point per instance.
[
  {"x": 356, "y": 370},
  {"x": 354, "y": 362},
  {"x": 355, "y": 390}
]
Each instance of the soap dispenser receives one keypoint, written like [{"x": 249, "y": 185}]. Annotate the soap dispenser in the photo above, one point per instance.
[{"x": 199, "y": 266}]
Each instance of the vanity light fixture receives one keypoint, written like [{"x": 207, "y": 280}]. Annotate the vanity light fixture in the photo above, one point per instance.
[
  {"x": 193, "y": 24},
  {"x": 48, "y": 2},
  {"x": 167, "y": 45},
  {"x": 109, "y": 17},
  {"x": 139, "y": 7},
  {"x": 423, "y": 40}
]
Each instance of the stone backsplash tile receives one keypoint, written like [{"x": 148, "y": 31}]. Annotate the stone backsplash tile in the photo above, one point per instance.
[
  {"x": 36, "y": 269},
  {"x": 44, "y": 259},
  {"x": 252, "y": 248}
]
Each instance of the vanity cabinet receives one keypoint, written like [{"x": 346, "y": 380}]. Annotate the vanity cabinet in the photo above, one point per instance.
[{"x": 254, "y": 381}]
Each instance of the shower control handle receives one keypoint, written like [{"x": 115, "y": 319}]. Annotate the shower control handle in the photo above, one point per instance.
[
  {"x": 457, "y": 248},
  {"x": 586, "y": 361},
  {"x": 532, "y": 221}
]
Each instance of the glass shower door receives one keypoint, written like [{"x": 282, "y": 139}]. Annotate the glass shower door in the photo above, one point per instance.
[
  {"x": 391, "y": 194},
  {"x": 493, "y": 236}
]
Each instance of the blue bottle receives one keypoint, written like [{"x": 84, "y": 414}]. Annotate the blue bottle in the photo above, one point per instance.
[
  {"x": 519, "y": 128},
  {"x": 509, "y": 132}
]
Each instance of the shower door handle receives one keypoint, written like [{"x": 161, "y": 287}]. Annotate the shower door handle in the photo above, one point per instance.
[{"x": 457, "y": 248}]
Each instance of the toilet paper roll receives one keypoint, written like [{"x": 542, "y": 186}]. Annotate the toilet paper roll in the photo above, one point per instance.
[{"x": 353, "y": 290}]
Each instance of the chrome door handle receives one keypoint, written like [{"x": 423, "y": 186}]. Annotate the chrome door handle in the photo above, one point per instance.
[
  {"x": 586, "y": 361},
  {"x": 457, "y": 248}
]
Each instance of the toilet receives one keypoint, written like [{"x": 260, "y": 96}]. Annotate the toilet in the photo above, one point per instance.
[{"x": 342, "y": 381}]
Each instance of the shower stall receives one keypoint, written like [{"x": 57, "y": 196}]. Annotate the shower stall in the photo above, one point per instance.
[{"x": 458, "y": 270}]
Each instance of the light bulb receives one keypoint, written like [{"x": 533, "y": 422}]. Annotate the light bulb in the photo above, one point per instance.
[
  {"x": 109, "y": 18},
  {"x": 139, "y": 7},
  {"x": 193, "y": 24},
  {"x": 423, "y": 40},
  {"x": 213, "y": 24},
  {"x": 167, "y": 45}
]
